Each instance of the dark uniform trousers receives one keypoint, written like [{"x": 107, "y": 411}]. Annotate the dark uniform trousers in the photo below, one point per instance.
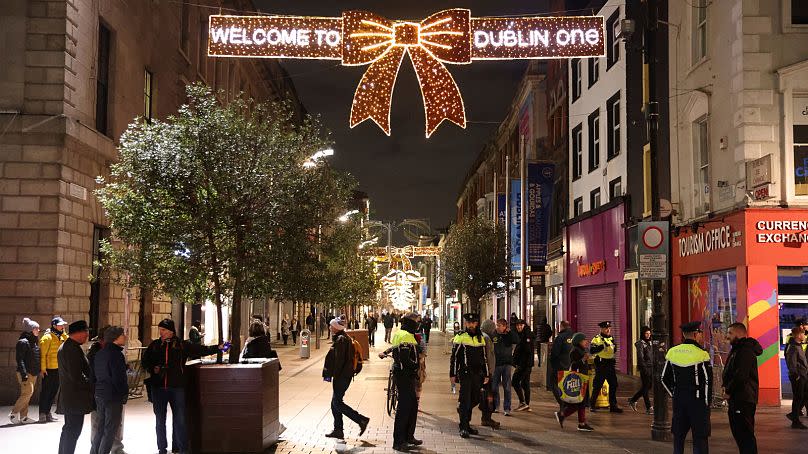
[
  {"x": 690, "y": 415},
  {"x": 469, "y": 395},
  {"x": 605, "y": 372},
  {"x": 742, "y": 424},
  {"x": 406, "y": 409}
]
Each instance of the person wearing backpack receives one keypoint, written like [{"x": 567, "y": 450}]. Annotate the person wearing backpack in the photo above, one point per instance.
[{"x": 340, "y": 366}]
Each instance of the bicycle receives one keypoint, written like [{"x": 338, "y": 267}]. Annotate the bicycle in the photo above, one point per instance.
[{"x": 392, "y": 390}]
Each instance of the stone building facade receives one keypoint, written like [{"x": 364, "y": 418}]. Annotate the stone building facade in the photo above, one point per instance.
[{"x": 73, "y": 75}]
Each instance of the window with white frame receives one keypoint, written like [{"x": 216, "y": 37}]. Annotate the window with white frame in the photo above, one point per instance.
[
  {"x": 800, "y": 159},
  {"x": 576, "y": 78},
  {"x": 701, "y": 165},
  {"x": 594, "y": 70},
  {"x": 594, "y": 140},
  {"x": 577, "y": 152},
  {"x": 613, "y": 125},
  {"x": 699, "y": 34},
  {"x": 796, "y": 12},
  {"x": 615, "y": 188},
  {"x": 578, "y": 207},
  {"x": 613, "y": 39},
  {"x": 594, "y": 199}
]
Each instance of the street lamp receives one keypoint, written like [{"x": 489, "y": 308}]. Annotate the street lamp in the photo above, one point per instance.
[
  {"x": 312, "y": 161},
  {"x": 344, "y": 218}
]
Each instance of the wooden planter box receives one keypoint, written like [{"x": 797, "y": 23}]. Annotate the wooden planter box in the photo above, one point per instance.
[{"x": 233, "y": 408}]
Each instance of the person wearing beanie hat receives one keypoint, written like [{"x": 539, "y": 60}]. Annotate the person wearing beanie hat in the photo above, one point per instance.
[
  {"x": 49, "y": 345},
  {"x": 165, "y": 360},
  {"x": 76, "y": 395},
  {"x": 338, "y": 369},
  {"x": 28, "y": 364},
  {"x": 579, "y": 357},
  {"x": 111, "y": 389},
  {"x": 95, "y": 421}
]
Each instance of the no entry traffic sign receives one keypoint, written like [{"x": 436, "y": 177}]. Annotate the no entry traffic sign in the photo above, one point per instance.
[{"x": 653, "y": 250}]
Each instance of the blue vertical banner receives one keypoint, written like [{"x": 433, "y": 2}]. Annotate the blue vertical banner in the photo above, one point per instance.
[
  {"x": 540, "y": 182},
  {"x": 502, "y": 202},
  {"x": 515, "y": 228}
]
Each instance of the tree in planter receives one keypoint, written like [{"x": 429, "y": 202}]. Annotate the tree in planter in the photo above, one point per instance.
[
  {"x": 349, "y": 277},
  {"x": 475, "y": 258},
  {"x": 201, "y": 202}
]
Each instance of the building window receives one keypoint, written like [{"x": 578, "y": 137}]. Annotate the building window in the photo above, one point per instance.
[
  {"x": 615, "y": 188},
  {"x": 96, "y": 284},
  {"x": 594, "y": 140},
  {"x": 147, "y": 96},
  {"x": 576, "y": 78},
  {"x": 800, "y": 159},
  {"x": 646, "y": 181},
  {"x": 577, "y": 152},
  {"x": 594, "y": 199},
  {"x": 102, "y": 80},
  {"x": 799, "y": 12},
  {"x": 701, "y": 161},
  {"x": 185, "y": 28},
  {"x": 594, "y": 70},
  {"x": 202, "y": 57},
  {"x": 613, "y": 39},
  {"x": 579, "y": 207},
  {"x": 699, "y": 34},
  {"x": 613, "y": 118}
]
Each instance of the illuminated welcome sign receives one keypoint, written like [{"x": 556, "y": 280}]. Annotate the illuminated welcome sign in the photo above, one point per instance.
[{"x": 364, "y": 38}]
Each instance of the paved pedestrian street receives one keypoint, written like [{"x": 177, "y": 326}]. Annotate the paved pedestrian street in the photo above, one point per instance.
[{"x": 305, "y": 412}]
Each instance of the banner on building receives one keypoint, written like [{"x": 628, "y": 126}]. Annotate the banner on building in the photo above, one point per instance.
[
  {"x": 502, "y": 212},
  {"x": 515, "y": 228},
  {"x": 540, "y": 183}
]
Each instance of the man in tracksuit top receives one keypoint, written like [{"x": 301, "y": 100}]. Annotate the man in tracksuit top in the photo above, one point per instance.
[
  {"x": 469, "y": 367},
  {"x": 688, "y": 378},
  {"x": 405, "y": 373}
]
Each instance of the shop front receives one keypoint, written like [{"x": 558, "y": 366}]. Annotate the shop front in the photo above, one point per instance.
[
  {"x": 594, "y": 284},
  {"x": 555, "y": 291},
  {"x": 750, "y": 266}
]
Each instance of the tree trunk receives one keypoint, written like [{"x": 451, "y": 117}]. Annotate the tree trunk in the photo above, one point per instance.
[
  {"x": 474, "y": 305},
  {"x": 235, "y": 322}
]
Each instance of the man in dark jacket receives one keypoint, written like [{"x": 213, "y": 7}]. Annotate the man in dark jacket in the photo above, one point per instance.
[
  {"x": 338, "y": 370},
  {"x": 165, "y": 360},
  {"x": 503, "y": 339},
  {"x": 75, "y": 381},
  {"x": 740, "y": 379},
  {"x": 645, "y": 363},
  {"x": 388, "y": 326},
  {"x": 559, "y": 358},
  {"x": 523, "y": 362},
  {"x": 797, "y": 375},
  {"x": 111, "y": 389},
  {"x": 28, "y": 366},
  {"x": 371, "y": 324},
  {"x": 96, "y": 422}
]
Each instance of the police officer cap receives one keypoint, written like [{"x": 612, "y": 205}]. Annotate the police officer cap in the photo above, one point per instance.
[
  {"x": 605, "y": 324},
  {"x": 471, "y": 317},
  {"x": 691, "y": 327}
]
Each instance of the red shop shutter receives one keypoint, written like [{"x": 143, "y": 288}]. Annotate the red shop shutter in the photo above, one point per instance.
[{"x": 597, "y": 304}]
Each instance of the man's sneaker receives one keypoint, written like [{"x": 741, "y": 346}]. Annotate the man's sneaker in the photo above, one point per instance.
[
  {"x": 798, "y": 425},
  {"x": 507, "y": 413},
  {"x": 495, "y": 411},
  {"x": 527, "y": 408},
  {"x": 335, "y": 434},
  {"x": 585, "y": 428},
  {"x": 633, "y": 405},
  {"x": 649, "y": 411},
  {"x": 522, "y": 406},
  {"x": 615, "y": 410},
  {"x": 560, "y": 418},
  {"x": 464, "y": 433},
  {"x": 27, "y": 420},
  {"x": 51, "y": 418},
  {"x": 14, "y": 419},
  {"x": 363, "y": 426}
]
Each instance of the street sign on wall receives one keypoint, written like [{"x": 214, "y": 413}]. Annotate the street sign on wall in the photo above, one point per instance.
[{"x": 653, "y": 250}]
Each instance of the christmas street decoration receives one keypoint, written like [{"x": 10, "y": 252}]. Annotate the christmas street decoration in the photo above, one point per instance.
[{"x": 448, "y": 37}]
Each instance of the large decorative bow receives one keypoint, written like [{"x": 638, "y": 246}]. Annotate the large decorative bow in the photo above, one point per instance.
[{"x": 443, "y": 37}]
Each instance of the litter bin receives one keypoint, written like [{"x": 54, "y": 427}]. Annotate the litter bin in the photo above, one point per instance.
[{"x": 305, "y": 349}]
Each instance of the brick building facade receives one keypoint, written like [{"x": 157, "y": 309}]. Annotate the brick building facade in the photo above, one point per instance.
[{"x": 73, "y": 75}]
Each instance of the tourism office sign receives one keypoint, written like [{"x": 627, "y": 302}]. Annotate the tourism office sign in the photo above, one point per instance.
[{"x": 447, "y": 37}]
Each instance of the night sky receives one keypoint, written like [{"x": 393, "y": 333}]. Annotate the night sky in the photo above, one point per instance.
[{"x": 406, "y": 175}]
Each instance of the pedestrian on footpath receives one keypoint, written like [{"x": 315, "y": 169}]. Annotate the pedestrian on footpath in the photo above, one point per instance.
[
  {"x": 488, "y": 327},
  {"x": 740, "y": 382},
  {"x": 28, "y": 364},
  {"x": 49, "y": 346},
  {"x": 195, "y": 333},
  {"x": 559, "y": 359},
  {"x": 797, "y": 375},
  {"x": 687, "y": 377},
  {"x": 645, "y": 363},
  {"x": 371, "y": 324},
  {"x": 426, "y": 327},
  {"x": 604, "y": 349},
  {"x": 388, "y": 326},
  {"x": 544, "y": 332},
  {"x": 339, "y": 370},
  {"x": 523, "y": 362},
  {"x": 111, "y": 390},
  {"x": 310, "y": 322},
  {"x": 578, "y": 362},
  {"x": 285, "y": 329},
  {"x": 75, "y": 379},
  {"x": 504, "y": 340},
  {"x": 469, "y": 367},
  {"x": 294, "y": 328},
  {"x": 165, "y": 360},
  {"x": 96, "y": 422}
]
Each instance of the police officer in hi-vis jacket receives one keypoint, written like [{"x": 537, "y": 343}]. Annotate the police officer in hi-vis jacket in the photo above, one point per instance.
[
  {"x": 604, "y": 348},
  {"x": 688, "y": 378},
  {"x": 469, "y": 367}
]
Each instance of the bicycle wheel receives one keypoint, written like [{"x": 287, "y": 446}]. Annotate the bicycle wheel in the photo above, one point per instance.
[{"x": 391, "y": 395}]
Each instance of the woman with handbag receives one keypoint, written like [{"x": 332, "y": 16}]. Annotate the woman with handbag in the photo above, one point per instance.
[{"x": 572, "y": 384}]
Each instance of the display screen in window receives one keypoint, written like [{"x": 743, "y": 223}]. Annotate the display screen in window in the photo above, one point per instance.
[
  {"x": 801, "y": 159},
  {"x": 712, "y": 299}
]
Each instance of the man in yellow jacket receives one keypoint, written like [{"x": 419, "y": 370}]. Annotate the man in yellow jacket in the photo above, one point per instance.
[{"x": 49, "y": 347}]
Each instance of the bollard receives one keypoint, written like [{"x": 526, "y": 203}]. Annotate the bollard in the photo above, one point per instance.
[{"x": 305, "y": 349}]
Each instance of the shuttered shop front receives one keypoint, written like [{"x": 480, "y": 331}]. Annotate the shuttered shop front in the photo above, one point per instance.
[{"x": 597, "y": 304}]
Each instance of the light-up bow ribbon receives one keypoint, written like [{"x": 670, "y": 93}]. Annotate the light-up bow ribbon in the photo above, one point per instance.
[{"x": 441, "y": 38}]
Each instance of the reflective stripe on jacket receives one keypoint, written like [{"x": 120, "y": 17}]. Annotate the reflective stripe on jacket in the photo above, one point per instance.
[{"x": 603, "y": 347}]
